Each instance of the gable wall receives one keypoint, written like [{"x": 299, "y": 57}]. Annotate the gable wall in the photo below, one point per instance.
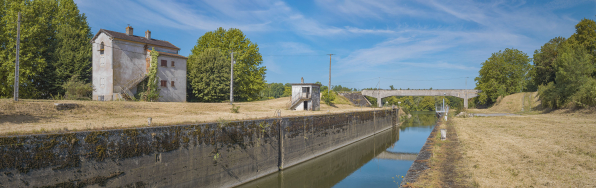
[{"x": 102, "y": 71}]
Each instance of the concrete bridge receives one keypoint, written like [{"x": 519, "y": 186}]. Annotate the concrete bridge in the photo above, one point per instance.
[
  {"x": 397, "y": 156},
  {"x": 461, "y": 93}
]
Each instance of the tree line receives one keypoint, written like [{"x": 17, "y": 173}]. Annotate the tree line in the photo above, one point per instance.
[
  {"x": 563, "y": 71},
  {"x": 54, "y": 47}
]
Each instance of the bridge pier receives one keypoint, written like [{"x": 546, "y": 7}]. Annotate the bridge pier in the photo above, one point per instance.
[
  {"x": 465, "y": 103},
  {"x": 379, "y": 102}
]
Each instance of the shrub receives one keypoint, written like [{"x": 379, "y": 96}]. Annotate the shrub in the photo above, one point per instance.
[
  {"x": 235, "y": 109},
  {"x": 77, "y": 89},
  {"x": 329, "y": 97}
]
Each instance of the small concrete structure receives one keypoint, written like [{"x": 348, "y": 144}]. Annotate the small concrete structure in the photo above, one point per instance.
[
  {"x": 122, "y": 60},
  {"x": 461, "y": 93},
  {"x": 306, "y": 96}
]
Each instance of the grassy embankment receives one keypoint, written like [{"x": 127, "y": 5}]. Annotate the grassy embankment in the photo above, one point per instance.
[
  {"x": 536, "y": 149},
  {"x": 40, "y": 116}
]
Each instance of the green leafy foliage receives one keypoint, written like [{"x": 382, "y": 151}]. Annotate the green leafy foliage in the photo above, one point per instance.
[
  {"x": 504, "y": 73},
  {"x": 573, "y": 74},
  {"x": 574, "y": 66},
  {"x": 77, "y": 89},
  {"x": 287, "y": 90},
  {"x": 543, "y": 70},
  {"x": 249, "y": 75},
  {"x": 54, "y": 46},
  {"x": 152, "y": 92},
  {"x": 273, "y": 91},
  {"x": 209, "y": 76},
  {"x": 329, "y": 97}
]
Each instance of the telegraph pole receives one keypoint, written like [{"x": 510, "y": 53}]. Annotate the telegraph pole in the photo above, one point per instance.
[
  {"x": 232, "y": 78},
  {"x": 16, "y": 68},
  {"x": 329, "y": 73}
]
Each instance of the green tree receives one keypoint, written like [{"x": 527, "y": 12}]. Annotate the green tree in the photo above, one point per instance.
[
  {"x": 209, "y": 75},
  {"x": 36, "y": 34},
  {"x": 573, "y": 74},
  {"x": 544, "y": 58},
  {"x": 585, "y": 35},
  {"x": 72, "y": 50},
  {"x": 287, "y": 90},
  {"x": 504, "y": 73},
  {"x": 54, "y": 46},
  {"x": 249, "y": 75}
]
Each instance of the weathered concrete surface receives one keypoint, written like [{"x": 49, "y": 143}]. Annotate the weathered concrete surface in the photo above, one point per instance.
[
  {"x": 309, "y": 137},
  {"x": 461, "y": 93},
  {"x": 330, "y": 169},
  {"x": 203, "y": 155},
  {"x": 356, "y": 98}
]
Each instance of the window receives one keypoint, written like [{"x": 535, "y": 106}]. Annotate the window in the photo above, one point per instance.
[
  {"x": 102, "y": 61},
  {"x": 172, "y": 63},
  {"x": 164, "y": 63},
  {"x": 102, "y": 82},
  {"x": 101, "y": 47},
  {"x": 172, "y": 83},
  {"x": 164, "y": 83}
]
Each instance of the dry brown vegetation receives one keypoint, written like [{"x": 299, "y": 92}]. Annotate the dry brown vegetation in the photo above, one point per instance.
[
  {"x": 540, "y": 148},
  {"x": 555, "y": 149},
  {"x": 38, "y": 116},
  {"x": 513, "y": 104},
  {"x": 447, "y": 167}
]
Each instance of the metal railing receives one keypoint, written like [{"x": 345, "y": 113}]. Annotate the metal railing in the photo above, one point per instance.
[
  {"x": 299, "y": 98},
  {"x": 125, "y": 89}
]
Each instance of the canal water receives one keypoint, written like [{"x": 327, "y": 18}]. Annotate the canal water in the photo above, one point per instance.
[{"x": 377, "y": 161}]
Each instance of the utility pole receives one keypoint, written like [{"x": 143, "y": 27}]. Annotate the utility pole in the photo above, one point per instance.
[
  {"x": 329, "y": 73},
  {"x": 232, "y": 78},
  {"x": 16, "y": 68},
  {"x": 466, "y": 87}
]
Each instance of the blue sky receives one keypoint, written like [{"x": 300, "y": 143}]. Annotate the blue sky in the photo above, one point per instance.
[{"x": 407, "y": 44}]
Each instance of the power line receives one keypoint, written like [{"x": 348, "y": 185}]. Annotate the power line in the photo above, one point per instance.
[{"x": 455, "y": 78}]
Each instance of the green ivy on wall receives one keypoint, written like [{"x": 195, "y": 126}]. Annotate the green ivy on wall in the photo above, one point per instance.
[{"x": 152, "y": 93}]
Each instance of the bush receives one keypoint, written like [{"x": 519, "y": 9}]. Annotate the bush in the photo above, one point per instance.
[
  {"x": 77, "y": 89},
  {"x": 329, "y": 97},
  {"x": 586, "y": 95},
  {"x": 235, "y": 109}
]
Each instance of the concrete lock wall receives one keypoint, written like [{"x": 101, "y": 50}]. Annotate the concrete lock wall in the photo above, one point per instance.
[{"x": 220, "y": 154}]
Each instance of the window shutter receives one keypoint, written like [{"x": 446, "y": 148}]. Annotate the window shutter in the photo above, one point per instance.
[
  {"x": 172, "y": 83},
  {"x": 172, "y": 63},
  {"x": 164, "y": 63}
]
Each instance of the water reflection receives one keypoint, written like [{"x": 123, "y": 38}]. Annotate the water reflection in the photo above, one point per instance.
[{"x": 368, "y": 163}]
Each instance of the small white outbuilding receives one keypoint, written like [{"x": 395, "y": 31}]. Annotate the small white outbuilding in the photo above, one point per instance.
[{"x": 306, "y": 96}]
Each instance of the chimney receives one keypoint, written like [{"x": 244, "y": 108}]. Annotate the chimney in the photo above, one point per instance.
[
  {"x": 129, "y": 31},
  {"x": 148, "y": 34}
]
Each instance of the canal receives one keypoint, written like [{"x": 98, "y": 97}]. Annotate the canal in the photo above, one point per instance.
[{"x": 377, "y": 161}]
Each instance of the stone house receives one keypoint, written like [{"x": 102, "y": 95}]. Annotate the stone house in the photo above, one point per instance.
[
  {"x": 122, "y": 60},
  {"x": 306, "y": 96}
]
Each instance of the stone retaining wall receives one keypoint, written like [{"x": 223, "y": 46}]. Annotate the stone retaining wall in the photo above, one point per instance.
[{"x": 219, "y": 154}]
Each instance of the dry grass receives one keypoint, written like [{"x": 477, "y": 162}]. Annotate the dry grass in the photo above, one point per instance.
[
  {"x": 546, "y": 150},
  {"x": 513, "y": 104},
  {"x": 35, "y": 116},
  {"x": 446, "y": 163}
]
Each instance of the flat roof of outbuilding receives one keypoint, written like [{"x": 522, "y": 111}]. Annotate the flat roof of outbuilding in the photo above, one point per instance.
[{"x": 306, "y": 84}]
